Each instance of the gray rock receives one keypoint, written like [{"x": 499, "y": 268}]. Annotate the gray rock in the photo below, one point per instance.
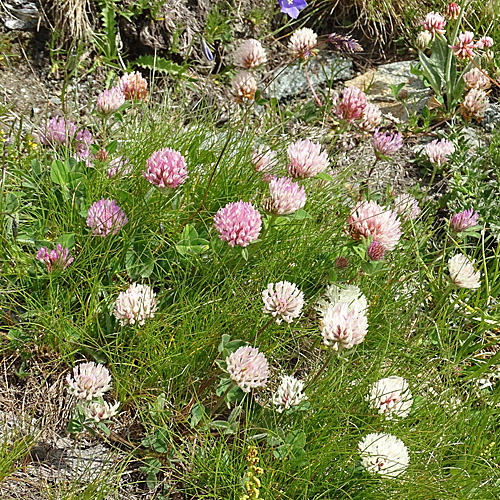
[
  {"x": 491, "y": 117},
  {"x": 20, "y": 15},
  {"x": 377, "y": 85},
  {"x": 292, "y": 81}
]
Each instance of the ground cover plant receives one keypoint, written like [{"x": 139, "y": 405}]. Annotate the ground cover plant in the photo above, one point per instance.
[{"x": 231, "y": 314}]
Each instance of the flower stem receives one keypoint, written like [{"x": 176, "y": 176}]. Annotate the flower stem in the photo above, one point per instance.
[
  {"x": 316, "y": 98},
  {"x": 322, "y": 369},
  {"x": 263, "y": 328},
  {"x": 220, "y": 402}
]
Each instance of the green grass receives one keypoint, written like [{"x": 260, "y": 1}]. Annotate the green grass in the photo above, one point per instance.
[{"x": 186, "y": 438}]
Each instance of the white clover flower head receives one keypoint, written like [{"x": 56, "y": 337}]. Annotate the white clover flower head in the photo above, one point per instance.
[
  {"x": 89, "y": 381},
  {"x": 244, "y": 86},
  {"x": 283, "y": 300},
  {"x": 343, "y": 327},
  {"x": 383, "y": 454},
  {"x": 462, "y": 272},
  {"x": 407, "y": 206},
  {"x": 475, "y": 104},
  {"x": 476, "y": 79},
  {"x": 289, "y": 393},
  {"x": 350, "y": 295},
  {"x": 135, "y": 305},
  {"x": 423, "y": 40},
  {"x": 391, "y": 397},
  {"x": 250, "y": 54},
  {"x": 306, "y": 159},
  {"x": 248, "y": 368},
  {"x": 439, "y": 150},
  {"x": 286, "y": 197},
  {"x": 303, "y": 42},
  {"x": 98, "y": 411},
  {"x": 371, "y": 118}
]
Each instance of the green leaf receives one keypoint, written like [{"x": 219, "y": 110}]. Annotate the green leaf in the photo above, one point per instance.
[
  {"x": 244, "y": 253},
  {"x": 112, "y": 146},
  {"x": 67, "y": 240},
  {"x": 139, "y": 261},
  {"x": 75, "y": 426},
  {"x": 59, "y": 173},
  {"x": 430, "y": 73},
  {"x": 300, "y": 215},
  {"x": 324, "y": 176},
  {"x": 197, "y": 413}
]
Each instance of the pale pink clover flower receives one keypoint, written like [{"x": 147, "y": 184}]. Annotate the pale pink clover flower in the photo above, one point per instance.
[
  {"x": 369, "y": 219},
  {"x": 352, "y": 105},
  {"x": 286, "y": 197},
  {"x": 248, "y": 368},
  {"x": 434, "y": 23},
  {"x": 283, "y": 301},
  {"x": 306, "y": 159},
  {"x": 89, "y": 381},
  {"x": 250, "y": 54},
  {"x": 105, "y": 217},
  {"x": 439, "y": 150}
]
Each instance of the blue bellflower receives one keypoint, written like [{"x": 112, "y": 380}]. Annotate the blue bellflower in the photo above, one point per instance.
[{"x": 292, "y": 7}]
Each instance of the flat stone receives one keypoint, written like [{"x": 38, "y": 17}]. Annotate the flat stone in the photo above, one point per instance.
[
  {"x": 292, "y": 81},
  {"x": 377, "y": 85}
]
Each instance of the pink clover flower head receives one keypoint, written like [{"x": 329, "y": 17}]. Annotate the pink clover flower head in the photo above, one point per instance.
[
  {"x": 84, "y": 140},
  {"x": 99, "y": 411},
  {"x": 434, "y": 23},
  {"x": 135, "y": 305},
  {"x": 391, "y": 397},
  {"x": 438, "y": 151},
  {"x": 344, "y": 43},
  {"x": 263, "y": 158},
  {"x": 464, "y": 46},
  {"x": 250, "y": 54},
  {"x": 283, "y": 301},
  {"x": 302, "y": 43},
  {"x": 485, "y": 42},
  {"x": 462, "y": 272},
  {"x": 407, "y": 206},
  {"x": 57, "y": 259},
  {"x": 306, "y": 159},
  {"x": 166, "y": 168},
  {"x": 292, "y": 7},
  {"x": 386, "y": 143},
  {"x": 58, "y": 132},
  {"x": 475, "y": 105},
  {"x": 89, "y": 381},
  {"x": 110, "y": 100},
  {"x": 476, "y": 79},
  {"x": 453, "y": 10},
  {"x": 369, "y": 219},
  {"x": 244, "y": 87},
  {"x": 371, "y": 118},
  {"x": 248, "y": 368},
  {"x": 343, "y": 326},
  {"x": 105, "y": 217},
  {"x": 286, "y": 197},
  {"x": 376, "y": 251},
  {"x": 352, "y": 105},
  {"x": 238, "y": 223},
  {"x": 383, "y": 454},
  {"x": 289, "y": 393},
  {"x": 464, "y": 220},
  {"x": 133, "y": 86},
  {"x": 119, "y": 166}
]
